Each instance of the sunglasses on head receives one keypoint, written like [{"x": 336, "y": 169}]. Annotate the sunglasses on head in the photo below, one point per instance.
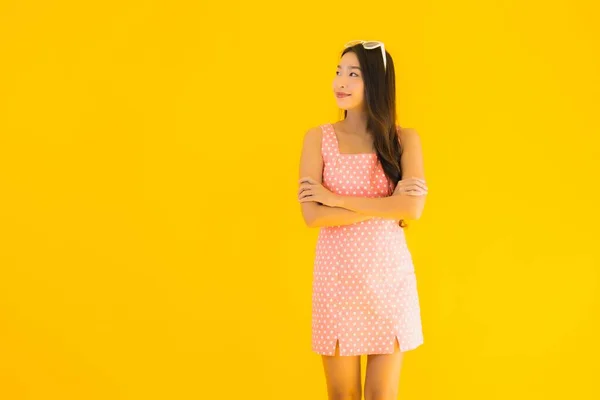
[{"x": 369, "y": 44}]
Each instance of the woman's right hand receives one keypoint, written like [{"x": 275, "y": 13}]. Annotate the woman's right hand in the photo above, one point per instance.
[{"x": 411, "y": 187}]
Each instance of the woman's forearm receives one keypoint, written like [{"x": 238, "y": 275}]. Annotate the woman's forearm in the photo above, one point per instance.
[
  {"x": 398, "y": 206},
  {"x": 335, "y": 216}
]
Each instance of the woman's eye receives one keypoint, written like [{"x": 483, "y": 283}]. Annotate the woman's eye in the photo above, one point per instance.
[{"x": 336, "y": 72}]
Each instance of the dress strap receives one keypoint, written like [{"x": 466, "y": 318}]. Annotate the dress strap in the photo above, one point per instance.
[{"x": 329, "y": 145}]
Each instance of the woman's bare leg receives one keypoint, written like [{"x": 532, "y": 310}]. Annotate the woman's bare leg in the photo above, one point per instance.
[
  {"x": 342, "y": 374},
  {"x": 383, "y": 375}
]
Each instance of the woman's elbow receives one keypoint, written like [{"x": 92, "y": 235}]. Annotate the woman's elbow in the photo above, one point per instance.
[
  {"x": 411, "y": 210},
  {"x": 309, "y": 215},
  {"x": 313, "y": 223},
  {"x": 417, "y": 211},
  {"x": 309, "y": 222}
]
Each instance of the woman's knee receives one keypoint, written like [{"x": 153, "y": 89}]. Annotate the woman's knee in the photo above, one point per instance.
[
  {"x": 381, "y": 393},
  {"x": 342, "y": 393}
]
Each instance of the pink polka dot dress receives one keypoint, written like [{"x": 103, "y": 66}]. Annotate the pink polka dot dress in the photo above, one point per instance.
[{"x": 364, "y": 289}]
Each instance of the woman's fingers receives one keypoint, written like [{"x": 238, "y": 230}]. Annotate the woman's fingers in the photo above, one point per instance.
[
  {"x": 403, "y": 186},
  {"x": 303, "y": 187},
  {"x": 412, "y": 189},
  {"x": 305, "y": 193},
  {"x": 419, "y": 184}
]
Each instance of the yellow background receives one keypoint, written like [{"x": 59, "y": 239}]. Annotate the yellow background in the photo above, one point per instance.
[{"x": 152, "y": 245}]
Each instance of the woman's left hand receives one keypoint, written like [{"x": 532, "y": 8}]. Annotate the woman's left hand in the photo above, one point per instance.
[{"x": 311, "y": 190}]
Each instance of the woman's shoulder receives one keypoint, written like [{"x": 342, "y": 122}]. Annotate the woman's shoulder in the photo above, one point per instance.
[
  {"x": 316, "y": 130},
  {"x": 404, "y": 133},
  {"x": 314, "y": 134}
]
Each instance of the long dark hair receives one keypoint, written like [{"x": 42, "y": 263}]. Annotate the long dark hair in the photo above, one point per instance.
[{"x": 380, "y": 101}]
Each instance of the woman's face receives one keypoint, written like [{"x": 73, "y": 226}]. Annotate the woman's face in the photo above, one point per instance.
[{"x": 348, "y": 79}]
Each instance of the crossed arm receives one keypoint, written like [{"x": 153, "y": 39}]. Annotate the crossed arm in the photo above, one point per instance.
[
  {"x": 352, "y": 209},
  {"x": 356, "y": 209}
]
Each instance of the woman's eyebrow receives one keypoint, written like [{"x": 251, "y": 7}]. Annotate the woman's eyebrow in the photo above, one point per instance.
[{"x": 351, "y": 67}]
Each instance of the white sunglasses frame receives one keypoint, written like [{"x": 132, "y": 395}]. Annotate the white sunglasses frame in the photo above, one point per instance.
[{"x": 369, "y": 45}]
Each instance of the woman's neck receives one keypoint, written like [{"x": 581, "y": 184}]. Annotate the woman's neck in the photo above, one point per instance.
[{"x": 355, "y": 123}]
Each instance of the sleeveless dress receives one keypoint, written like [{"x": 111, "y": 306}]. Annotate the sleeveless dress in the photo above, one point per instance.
[{"x": 364, "y": 289}]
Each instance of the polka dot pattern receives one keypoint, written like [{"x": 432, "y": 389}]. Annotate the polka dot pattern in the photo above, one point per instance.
[{"x": 364, "y": 289}]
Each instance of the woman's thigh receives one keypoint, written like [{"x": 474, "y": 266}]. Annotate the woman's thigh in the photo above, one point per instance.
[
  {"x": 342, "y": 375},
  {"x": 383, "y": 375}
]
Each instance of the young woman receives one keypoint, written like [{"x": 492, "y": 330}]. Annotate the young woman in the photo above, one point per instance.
[{"x": 361, "y": 178}]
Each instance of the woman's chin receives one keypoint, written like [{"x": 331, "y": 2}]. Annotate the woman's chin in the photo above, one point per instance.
[{"x": 342, "y": 103}]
